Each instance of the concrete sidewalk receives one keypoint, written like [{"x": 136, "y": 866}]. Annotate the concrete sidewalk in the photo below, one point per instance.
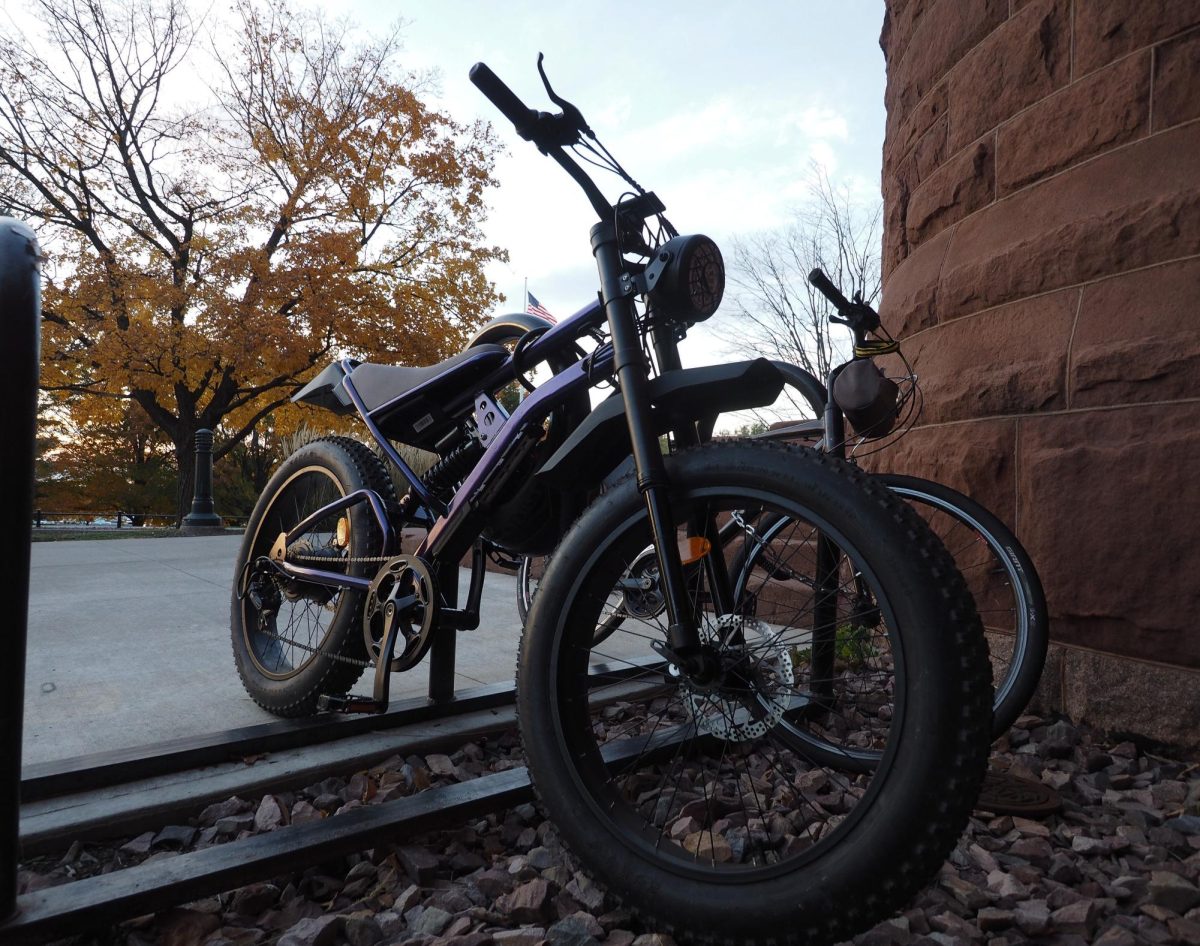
[{"x": 129, "y": 645}]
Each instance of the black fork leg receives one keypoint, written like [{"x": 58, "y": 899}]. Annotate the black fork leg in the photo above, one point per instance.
[
  {"x": 682, "y": 636},
  {"x": 713, "y": 566}
]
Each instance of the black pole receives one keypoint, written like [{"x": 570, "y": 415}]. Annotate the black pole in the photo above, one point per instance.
[
  {"x": 203, "y": 514},
  {"x": 20, "y": 313},
  {"x": 442, "y": 653}
]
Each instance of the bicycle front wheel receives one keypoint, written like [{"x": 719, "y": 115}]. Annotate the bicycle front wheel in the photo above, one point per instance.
[{"x": 686, "y": 791}]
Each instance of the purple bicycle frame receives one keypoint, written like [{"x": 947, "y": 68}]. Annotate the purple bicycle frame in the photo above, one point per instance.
[{"x": 532, "y": 410}]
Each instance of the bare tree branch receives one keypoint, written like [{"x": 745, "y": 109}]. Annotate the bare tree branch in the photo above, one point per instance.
[
  {"x": 772, "y": 308},
  {"x": 207, "y": 258}
]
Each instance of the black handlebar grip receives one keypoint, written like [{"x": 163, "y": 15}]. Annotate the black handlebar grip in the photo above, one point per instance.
[
  {"x": 521, "y": 115},
  {"x": 821, "y": 283}
]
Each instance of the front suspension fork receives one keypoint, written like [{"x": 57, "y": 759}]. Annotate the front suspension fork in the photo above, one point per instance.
[{"x": 683, "y": 638}]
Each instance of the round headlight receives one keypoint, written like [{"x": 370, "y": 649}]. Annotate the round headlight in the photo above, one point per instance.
[{"x": 692, "y": 281}]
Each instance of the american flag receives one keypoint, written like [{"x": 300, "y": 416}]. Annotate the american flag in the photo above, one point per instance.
[{"x": 533, "y": 307}]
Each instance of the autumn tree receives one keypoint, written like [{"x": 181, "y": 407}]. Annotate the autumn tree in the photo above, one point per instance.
[
  {"x": 118, "y": 461},
  {"x": 772, "y": 309},
  {"x": 224, "y": 216}
]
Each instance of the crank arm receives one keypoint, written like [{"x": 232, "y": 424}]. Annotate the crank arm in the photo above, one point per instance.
[{"x": 378, "y": 702}]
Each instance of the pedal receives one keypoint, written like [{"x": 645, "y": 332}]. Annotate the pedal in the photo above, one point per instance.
[{"x": 328, "y": 703}]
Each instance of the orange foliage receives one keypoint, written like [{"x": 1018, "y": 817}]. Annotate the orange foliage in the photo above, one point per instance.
[{"x": 203, "y": 263}]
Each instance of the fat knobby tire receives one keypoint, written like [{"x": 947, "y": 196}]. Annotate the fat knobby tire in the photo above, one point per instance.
[
  {"x": 930, "y": 781},
  {"x": 354, "y": 466}
]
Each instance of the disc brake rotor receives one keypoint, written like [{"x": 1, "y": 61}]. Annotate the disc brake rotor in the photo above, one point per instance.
[
  {"x": 765, "y": 666},
  {"x": 402, "y": 595}
]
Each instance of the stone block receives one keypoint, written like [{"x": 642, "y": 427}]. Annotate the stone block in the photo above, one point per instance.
[
  {"x": 922, "y": 161},
  {"x": 905, "y": 131},
  {"x": 1176, "y": 65},
  {"x": 975, "y": 458},
  {"x": 939, "y": 39},
  {"x": 1106, "y": 29},
  {"x": 1018, "y": 64},
  {"x": 1116, "y": 693},
  {"x": 1123, "y": 210},
  {"x": 895, "y": 247},
  {"x": 899, "y": 20},
  {"x": 1008, "y": 360},
  {"x": 928, "y": 154},
  {"x": 1138, "y": 338},
  {"x": 1108, "y": 508},
  {"x": 962, "y": 185},
  {"x": 910, "y": 292},
  {"x": 1108, "y": 108}
]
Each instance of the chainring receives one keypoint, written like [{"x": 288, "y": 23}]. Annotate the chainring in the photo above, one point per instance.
[{"x": 404, "y": 592}]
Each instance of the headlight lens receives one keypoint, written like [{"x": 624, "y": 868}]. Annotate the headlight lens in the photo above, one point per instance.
[{"x": 692, "y": 281}]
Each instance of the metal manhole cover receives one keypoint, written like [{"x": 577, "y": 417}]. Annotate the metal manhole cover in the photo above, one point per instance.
[{"x": 1006, "y": 794}]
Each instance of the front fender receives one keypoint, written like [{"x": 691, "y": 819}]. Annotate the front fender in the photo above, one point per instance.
[{"x": 678, "y": 398}]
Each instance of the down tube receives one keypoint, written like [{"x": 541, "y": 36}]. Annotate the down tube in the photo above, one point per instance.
[{"x": 536, "y": 407}]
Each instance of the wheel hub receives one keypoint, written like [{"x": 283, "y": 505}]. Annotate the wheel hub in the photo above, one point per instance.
[
  {"x": 642, "y": 592},
  {"x": 320, "y": 556},
  {"x": 754, "y": 687}
]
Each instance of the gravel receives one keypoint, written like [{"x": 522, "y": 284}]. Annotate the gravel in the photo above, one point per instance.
[{"x": 1118, "y": 865}]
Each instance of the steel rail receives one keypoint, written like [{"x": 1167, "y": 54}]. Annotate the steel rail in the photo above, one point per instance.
[{"x": 84, "y": 904}]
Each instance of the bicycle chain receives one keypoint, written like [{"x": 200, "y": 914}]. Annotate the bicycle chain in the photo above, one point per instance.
[
  {"x": 339, "y": 658},
  {"x": 345, "y": 561}
]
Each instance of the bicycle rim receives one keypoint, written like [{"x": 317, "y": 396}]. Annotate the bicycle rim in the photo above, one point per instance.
[
  {"x": 732, "y": 778},
  {"x": 285, "y": 642}
]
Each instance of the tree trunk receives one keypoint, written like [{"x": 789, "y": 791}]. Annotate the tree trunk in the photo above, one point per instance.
[
  {"x": 185, "y": 462},
  {"x": 259, "y": 463}
]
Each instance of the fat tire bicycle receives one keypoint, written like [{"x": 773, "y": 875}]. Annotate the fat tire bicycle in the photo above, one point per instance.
[
  {"x": 999, "y": 572},
  {"x": 673, "y": 755}
]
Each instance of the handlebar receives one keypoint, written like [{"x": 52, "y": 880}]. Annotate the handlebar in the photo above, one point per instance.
[
  {"x": 822, "y": 284},
  {"x": 521, "y": 115},
  {"x": 552, "y": 133},
  {"x": 859, "y": 316}
]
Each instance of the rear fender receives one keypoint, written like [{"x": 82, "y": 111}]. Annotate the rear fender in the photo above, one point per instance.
[{"x": 327, "y": 390}]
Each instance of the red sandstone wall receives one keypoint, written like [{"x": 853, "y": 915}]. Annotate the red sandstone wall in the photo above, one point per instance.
[{"x": 1042, "y": 261}]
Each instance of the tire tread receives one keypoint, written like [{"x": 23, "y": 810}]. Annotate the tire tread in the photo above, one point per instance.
[{"x": 894, "y": 884}]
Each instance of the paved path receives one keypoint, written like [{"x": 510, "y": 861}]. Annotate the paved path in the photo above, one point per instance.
[{"x": 129, "y": 644}]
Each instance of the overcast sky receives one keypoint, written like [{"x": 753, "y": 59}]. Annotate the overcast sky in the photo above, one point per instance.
[{"x": 718, "y": 107}]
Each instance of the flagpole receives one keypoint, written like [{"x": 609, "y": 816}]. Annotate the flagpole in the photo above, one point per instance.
[{"x": 525, "y": 307}]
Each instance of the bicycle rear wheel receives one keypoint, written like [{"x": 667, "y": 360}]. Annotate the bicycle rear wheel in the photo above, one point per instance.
[
  {"x": 685, "y": 793},
  {"x": 293, "y": 640},
  {"x": 998, "y": 572},
  {"x": 1003, "y": 581}
]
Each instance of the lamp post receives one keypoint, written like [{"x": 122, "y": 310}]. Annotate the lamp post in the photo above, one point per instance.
[{"x": 203, "y": 517}]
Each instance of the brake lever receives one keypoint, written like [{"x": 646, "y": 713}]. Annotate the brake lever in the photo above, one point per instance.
[{"x": 571, "y": 113}]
